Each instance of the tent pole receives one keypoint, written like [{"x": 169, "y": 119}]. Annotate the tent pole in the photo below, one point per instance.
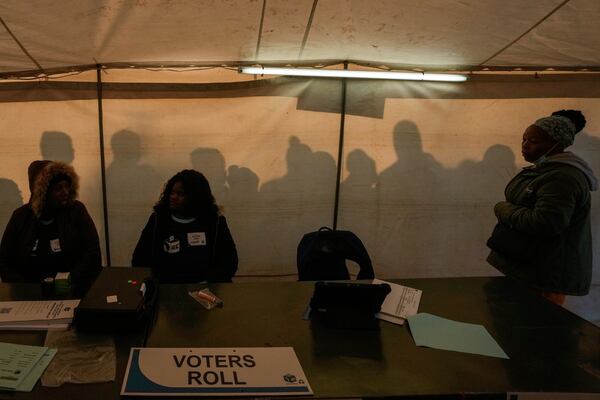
[
  {"x": 340, "y": 152},
  {"x": 102, "y": 161}
]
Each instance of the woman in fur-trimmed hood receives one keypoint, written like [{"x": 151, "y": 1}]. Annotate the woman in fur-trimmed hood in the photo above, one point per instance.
[
  {"x": 47, "y": 178},
  {"x": 52, "y": 233}
]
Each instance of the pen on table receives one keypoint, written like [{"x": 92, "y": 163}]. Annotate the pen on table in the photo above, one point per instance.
[{"x": 209, "y": 297}]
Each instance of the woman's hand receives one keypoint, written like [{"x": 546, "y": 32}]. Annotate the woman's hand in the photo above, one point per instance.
[{"x": 502, "y": 210}]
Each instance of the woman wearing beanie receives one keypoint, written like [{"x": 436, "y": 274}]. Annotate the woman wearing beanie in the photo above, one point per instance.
[
  {"x": 543, "y": 236},
  {"x": 52, "y": 233}
]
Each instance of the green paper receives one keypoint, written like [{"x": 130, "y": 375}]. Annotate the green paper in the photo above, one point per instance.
[
  {"x": 16, "y": 362},
  {"x": 441, "y": 333},
  {"x": 38, "y": 369}
]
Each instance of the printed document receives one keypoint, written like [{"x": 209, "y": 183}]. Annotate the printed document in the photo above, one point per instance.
[
  {"x": 21, "y": 366},
  {"x": 399, "y": 304},
  {"x": 36, "y": 314}
]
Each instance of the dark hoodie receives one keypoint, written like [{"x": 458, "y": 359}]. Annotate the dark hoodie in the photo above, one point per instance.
[{"x": 25, "y": 255}]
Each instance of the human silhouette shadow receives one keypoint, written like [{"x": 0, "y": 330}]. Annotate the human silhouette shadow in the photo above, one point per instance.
[
  {"x": 482, "y": 183},
  {"x": 358, "y": 209},
  {"x": 362, "y": 172},
  {"x": 132, "y": 189},
  {"x": 57, "y": 146},
  {"x": 474, "y": 187},
  {"x": 245, "y": 217},
  {"x": 301, "y": 201},
  {"x": 298, "y": 175},
  {"x": 409, "y": 197},
  {"x": 413, "y": 177},
  {"x": 10, "y": 199},
  {"x": 323, "y": 182},
  {"x": 243, "y": 186},
  {"x": 211, "y": 163}
]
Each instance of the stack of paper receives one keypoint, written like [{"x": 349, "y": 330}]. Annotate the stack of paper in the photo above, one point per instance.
[
  {"x": 21, "y": 366},
  {"x": 399, "y": 304},
  {"x": 36, "y": 315}
]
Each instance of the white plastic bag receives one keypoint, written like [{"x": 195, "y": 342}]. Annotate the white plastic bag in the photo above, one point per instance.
[{"x": 81, "y": 358}]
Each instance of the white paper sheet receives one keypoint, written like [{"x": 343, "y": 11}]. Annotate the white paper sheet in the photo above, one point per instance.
[
  {"x": 36, "y": 314},
  {"x": 399, "y": 304}
]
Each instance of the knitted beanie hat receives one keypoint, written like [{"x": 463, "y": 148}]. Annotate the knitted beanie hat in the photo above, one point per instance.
[{"x": 559, "y": 128}]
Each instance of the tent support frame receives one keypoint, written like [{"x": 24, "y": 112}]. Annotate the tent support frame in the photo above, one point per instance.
[{"x": 102, "y": 163}]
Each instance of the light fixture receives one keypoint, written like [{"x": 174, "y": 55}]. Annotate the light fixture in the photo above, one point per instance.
[{"x": 344, "y": 73}]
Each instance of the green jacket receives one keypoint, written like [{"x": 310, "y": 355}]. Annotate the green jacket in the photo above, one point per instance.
[{"x": 551, "y": 202}]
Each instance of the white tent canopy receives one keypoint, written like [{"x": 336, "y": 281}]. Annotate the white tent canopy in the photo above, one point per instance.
[{"x": 51, "y": 35}]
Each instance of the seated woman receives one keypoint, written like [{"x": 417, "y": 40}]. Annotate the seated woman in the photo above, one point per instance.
[
  {"x": 52, "y": 233},
  {"x": 186, "y": 239}
]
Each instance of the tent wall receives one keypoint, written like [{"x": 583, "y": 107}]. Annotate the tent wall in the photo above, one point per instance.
[
  {"x": 423, "y": 164},
  {"x": 439, "y": 167},
  {"x": 269, "y": 164}
]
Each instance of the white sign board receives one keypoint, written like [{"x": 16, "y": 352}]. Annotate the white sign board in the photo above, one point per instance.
[{"x": 242, "y": 371}]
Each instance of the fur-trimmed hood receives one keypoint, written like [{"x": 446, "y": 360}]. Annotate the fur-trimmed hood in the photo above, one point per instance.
[{"x": 42, "y": 182}]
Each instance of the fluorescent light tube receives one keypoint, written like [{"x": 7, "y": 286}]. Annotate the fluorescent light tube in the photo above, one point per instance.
[{"x": 344, "y": 73}]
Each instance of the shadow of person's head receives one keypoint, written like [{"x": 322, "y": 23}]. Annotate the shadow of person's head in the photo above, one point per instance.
[
  {"x": 325, "y": 166},
  {"x": 298, "y": 155},
  {"x": 126, "y": 147},
  {"x": 211, "y": 163},
  {"x": 407, "y": 138},
  {"x": 57, "y": 146},
  {"x": 361, "y": 167},
  {"x": 499, "y": 155},
  {"x": 10, "y": 199},
  {"x": 242, "y": 180}
]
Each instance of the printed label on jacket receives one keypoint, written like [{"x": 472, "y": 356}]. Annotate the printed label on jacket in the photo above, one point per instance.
[
  {"x": 196, "y": 238},
  {"x": 171, "y": 245}
]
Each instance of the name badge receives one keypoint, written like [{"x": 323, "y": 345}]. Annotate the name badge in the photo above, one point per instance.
[
  {"x": 196, "y": 238},
  {"x": 171, "y": 245},
  {"x": 55, "y": 245}
]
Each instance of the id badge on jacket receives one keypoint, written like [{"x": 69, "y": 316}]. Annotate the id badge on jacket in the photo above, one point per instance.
[{"x": 196, "y": 238}]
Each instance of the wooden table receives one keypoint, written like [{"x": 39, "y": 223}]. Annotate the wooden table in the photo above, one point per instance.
[{"x": 550, "y": 349}]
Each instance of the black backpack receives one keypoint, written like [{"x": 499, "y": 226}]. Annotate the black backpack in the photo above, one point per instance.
[{"x": 322, "y": 255}]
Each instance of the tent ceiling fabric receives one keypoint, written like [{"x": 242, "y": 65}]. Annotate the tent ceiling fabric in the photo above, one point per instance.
[{"x": 429, "y": 34}]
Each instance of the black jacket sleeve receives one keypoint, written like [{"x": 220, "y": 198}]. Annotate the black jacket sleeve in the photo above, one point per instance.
[
  {"x": 9, "y": 270},
  {"x": 88, "y": 264},
  {"x": 142, "y": 255},
  {"x": 225, "y": 254}
]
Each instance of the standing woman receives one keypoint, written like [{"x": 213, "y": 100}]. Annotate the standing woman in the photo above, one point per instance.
[
  {"x": 186, "y": 239},
  {"x": 543, "y": 236},
  {"x": 52, "y": 233}
]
